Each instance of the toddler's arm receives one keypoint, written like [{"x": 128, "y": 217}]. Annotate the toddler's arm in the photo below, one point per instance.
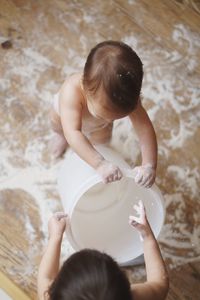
[
  {"x": 147, "y": 138},
  {"x": 157, "y": 284},
  {"x": 49, "y": 265},
  {"x": 71, "y": 119}
]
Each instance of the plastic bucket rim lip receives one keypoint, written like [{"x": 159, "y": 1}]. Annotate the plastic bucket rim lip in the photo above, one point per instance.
[
  {"x": 95, "y": 180},
  {"x": 92, "y": 181},
  {"x": 82, "y": 189},
  {"x": 156, "y": 189}
]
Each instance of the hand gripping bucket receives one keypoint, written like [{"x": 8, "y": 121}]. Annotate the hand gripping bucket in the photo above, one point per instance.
[{"x": 99, "y": 212}]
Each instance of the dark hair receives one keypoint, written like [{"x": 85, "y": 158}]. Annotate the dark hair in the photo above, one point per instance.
[
  {"x": 117, "y": 68},
  {"x": 90, "y": 275}
]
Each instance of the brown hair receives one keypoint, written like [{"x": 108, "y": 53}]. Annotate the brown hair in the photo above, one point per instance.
[
  {"x": 117, "y": 68},
  {"x": 90, "y": 275}
]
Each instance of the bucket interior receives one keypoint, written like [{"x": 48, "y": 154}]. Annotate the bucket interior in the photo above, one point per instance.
[{"x": 100, "y": 218}]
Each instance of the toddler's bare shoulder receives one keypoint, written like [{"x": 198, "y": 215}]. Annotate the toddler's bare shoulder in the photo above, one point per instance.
[
  {"x": 70, "y": 91},
  {"x": 71, "y": 83}
]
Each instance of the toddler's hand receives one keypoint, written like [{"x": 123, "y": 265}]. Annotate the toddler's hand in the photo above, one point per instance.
[
  {"x": 140, "y": 222},
  {"x": 57, "y": 225},
  {"x": 145, "y": 175},
  {"x": 109, "y": 172}
]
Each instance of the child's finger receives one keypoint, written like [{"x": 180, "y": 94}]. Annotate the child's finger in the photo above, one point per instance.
[
  {"x": 119, "y": 174},
  {"x": 110, "y": 178},
  {"x": 147, "y": 185},
  {"x": 145, "y": 180},
  {"x": 132, "y": 223},
  {"x": 141, "y": 204},
  {"x": 135, "y": 219},
  {"x": 105, "y": 180},
  {"x": 138, "y": 177},
  {"x": 142, "y": 208},
  {"x": 137, "y": 208},
  {"x": 115, "y": 177},
  {"x": 151, "y": 181},
  {"x": 60, "y": 215}
]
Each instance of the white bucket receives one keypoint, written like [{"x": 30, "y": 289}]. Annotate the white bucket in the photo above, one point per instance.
[{"x": 99, "y": 212}]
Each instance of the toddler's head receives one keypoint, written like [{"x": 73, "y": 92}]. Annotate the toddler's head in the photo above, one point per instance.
[
  {"x": 112, "y": 79},
  {"x": 90, "y": 275}
]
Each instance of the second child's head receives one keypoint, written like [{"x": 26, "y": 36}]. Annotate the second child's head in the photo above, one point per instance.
[
  {"x": 112, "y": 80},
  {"x": 90, "y": 275}
]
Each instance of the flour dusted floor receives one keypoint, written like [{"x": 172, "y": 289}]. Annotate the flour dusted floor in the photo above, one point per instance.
[{"x": 44, "y": 41}]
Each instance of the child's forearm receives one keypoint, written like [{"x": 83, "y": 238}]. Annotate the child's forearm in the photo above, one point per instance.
[
  {"x": 155, "y": 266},
  {"x": 148, "y": 144},
  {"x": 81, "y": 145},
  {"x": 146, "y": 135},
  {"x": 49, "y": 265},
  {"x": 157, "y": 284}
]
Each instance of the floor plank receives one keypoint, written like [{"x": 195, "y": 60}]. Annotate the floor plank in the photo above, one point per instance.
[
  {"x": 164, "y": 28},
  {"x": 185, "y": 283}
]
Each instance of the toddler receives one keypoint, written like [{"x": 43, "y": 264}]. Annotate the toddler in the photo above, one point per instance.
[
  {"x": 92, "y": 275},
  {"x": 87, "y": 104}
]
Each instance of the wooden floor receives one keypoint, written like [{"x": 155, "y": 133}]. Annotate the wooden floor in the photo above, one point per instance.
[{"x": 44, "y": 41}]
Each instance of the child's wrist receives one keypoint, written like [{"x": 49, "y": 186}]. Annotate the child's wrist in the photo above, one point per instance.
[
  {"x": 99, "y": 161},
  {"x": 148, "y": 235},
  {"x": 149, "y": 165},
  {"x": 56, "y": 238}
]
